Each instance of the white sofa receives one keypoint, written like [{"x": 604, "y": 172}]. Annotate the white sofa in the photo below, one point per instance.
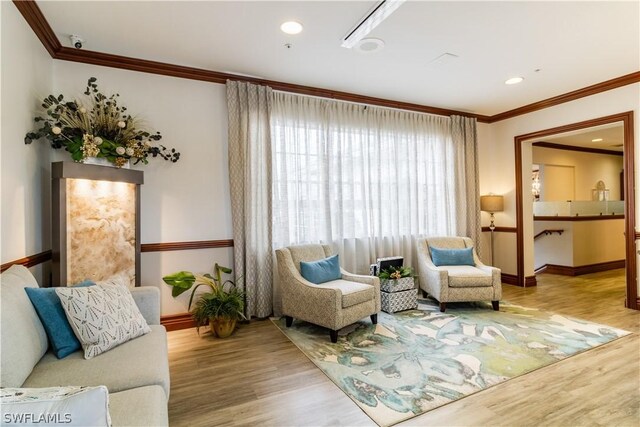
[{"x": 135, "y": 373}]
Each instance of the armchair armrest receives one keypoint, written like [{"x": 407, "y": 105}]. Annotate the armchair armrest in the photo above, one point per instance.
[
  {"x": 360, "y": 278},
  {"x": 432, "y": 280},
  {"x": 147, "y": 298},
  {"x": 367, "y": 280}
]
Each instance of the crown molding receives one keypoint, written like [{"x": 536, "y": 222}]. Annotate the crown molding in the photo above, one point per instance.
[
  {"x": 553, "y": 145},
  {"x": 38, "y": 23},
  {"x": 36, "y": 20},
  {"x": 569, "y": 96}
]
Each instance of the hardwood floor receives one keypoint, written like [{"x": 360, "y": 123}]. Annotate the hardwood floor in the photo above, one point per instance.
[{"x": 258, "y": 377}]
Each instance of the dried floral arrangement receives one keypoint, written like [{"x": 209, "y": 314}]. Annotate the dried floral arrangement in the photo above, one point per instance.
[{"x": 98, "y": 127}]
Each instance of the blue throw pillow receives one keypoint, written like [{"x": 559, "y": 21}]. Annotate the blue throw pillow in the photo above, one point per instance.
[
  {"x": 442, "y": 257},
  {"x": 324, "y": 270},
  {"x": 54, "y": 320}
]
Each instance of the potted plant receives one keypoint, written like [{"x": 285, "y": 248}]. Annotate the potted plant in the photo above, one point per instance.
[
  {"x": 395, "y": 279},
  {"x": 221, "y": 307}
]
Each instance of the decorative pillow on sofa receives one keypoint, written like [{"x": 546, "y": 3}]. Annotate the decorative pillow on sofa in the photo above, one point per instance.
[
  {"x": 54, "y": 320},
  {"x": 68, "y": 406},
  {"x": 442, "y": 257},
  {"x": 321, "y": 271},
  {"x": 102, "y": 316}
]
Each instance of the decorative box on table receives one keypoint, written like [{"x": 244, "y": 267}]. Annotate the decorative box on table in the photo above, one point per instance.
[
  {"x": 396, "y": 285},
  {"x": 384, "y": 263},
  {"x": 398, "y": 301}
]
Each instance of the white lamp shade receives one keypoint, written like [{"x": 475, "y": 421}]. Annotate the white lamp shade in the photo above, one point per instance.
[{"x": 492, "y": 203}]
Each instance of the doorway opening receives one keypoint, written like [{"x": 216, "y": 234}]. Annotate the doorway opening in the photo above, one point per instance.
[{"x": 555, "y": 196}]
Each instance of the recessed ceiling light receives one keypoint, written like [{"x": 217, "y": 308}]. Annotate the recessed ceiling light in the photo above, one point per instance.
[
  {"x": 291, "y": 27},
  {"x": 369, "y": 45},
  {"x": 514, "y": 80},
  {"x": 596, "y": 140}
]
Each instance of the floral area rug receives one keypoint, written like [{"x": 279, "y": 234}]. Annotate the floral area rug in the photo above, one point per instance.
[{"x": 416, "y": 360}]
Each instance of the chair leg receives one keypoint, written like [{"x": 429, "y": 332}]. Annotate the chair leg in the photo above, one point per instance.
[
  {"x": 374, "y": 318},
  {"x": 443, "y": 306},
  {"x": 288, "y": 320},
  {"x": 496, "y": 305},
  {"x": 334, "y": 335}
]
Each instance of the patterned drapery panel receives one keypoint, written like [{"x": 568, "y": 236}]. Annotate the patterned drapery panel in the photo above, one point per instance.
[
  {"x": 250, "y": 185},
  {"x": 465, "y": 140}
]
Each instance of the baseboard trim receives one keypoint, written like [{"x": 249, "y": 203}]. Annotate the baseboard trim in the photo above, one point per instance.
[
  {"x": 509, "y": 279},
  {"x": 175, "y": 322},
  {"x": 565, "y": 270},
  {"x": 512, "y": 279}
]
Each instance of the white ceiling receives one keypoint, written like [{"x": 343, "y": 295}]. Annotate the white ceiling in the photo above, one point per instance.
[
  {"x": 575, "y": 44},
  {"x": 612, "y": 137}
]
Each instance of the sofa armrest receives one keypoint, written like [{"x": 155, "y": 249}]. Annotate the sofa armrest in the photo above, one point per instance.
[{"x": 147, "y": 299}]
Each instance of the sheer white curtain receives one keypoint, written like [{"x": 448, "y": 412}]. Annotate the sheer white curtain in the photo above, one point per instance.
[{"x": 367, "y": 180}]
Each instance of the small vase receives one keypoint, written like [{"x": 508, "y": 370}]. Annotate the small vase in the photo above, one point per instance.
[
  {"x": 223, "y": 326},
  {"x": 103, "y": 161}
]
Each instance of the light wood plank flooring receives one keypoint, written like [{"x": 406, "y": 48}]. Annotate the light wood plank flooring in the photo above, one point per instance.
[{"x": 258, "y": 377}]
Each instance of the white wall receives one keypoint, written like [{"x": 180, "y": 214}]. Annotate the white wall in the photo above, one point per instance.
[
  {"x": 26, "y": 79},
  {"x": 581, "y": 243},
  {"x": 497, "y": 156},
  {"x": 183, "y": 201},
  {"x": 589, "y": 168}
]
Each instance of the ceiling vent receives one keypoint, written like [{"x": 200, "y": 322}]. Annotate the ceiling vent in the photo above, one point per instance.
[{"x": 371, "y": 20}]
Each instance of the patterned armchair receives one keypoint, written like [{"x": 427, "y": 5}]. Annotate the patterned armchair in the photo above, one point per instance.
[
  {"x": 334, "y": 304},
  {"x": 457, "y": 283}
]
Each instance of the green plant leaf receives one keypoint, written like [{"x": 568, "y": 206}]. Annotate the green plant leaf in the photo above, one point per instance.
[{"x": 181, "y": 282}]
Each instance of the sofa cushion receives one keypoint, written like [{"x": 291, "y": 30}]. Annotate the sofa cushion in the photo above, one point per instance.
[
  {"x": 103, "y": 316},
  {"x": 321, "y": 271},
  {"x": 142, "y": 406},
  {"x": 352, "y": 292},
  {"x": 140, "y": 362},
  {"x": 23, "y": 339},
  {"x": 68, "y": 406},
  {"x": 54, "y": 320},
  {"x": 465, "y": 276}
]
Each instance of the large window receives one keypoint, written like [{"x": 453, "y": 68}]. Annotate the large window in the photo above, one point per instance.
[{"x": 365, "y": 179}]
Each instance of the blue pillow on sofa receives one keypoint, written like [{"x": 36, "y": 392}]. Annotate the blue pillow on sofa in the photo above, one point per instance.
[
  {"x": 321, "y": 271},
  {"x": 442, "y": 257},
  {"x": 54, "y": 320}
]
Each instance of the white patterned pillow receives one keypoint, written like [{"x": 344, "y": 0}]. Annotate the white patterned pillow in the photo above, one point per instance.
[
  {"x": 68, "y": 406},
  {"x": 102, "y": 316}
]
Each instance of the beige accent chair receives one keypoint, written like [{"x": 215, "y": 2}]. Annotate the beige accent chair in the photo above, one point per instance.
[
  {"x": 334, "y": 304},
  {"x": 457, "y": 283}
]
